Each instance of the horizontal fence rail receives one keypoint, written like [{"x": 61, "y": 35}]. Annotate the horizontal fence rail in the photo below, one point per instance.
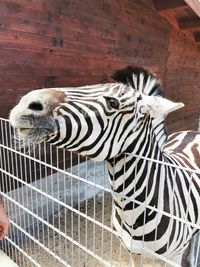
[{"x": 60, "y": 207}]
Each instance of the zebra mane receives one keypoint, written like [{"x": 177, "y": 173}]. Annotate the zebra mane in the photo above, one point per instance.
[
  {"x": 145, "y": 82},
  {"x": 140, "y": 79}
]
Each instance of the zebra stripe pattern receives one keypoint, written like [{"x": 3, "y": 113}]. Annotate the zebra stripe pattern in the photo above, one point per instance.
[{"x": 116, "y": 122}]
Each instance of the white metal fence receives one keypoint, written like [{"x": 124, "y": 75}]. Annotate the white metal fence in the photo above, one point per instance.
[{"x": 60, "y": 208}]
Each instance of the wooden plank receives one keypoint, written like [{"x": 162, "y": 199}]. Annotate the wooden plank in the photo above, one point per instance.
[
  {"x": 60, "y": 43},
  {"x": 194, "y": 5},
  {"x": 166, "y": 5},
  {"x": 183, "y": 66},
  {"x": 197, "y": 36},
  {"x": 189, "y": 23}
]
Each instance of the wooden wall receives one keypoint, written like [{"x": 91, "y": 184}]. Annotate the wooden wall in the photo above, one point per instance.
[
  {"x": 48, "y": 43},
  {"x": 182, "y": 82}
]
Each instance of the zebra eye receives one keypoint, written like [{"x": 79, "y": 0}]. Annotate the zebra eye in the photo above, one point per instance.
[{"x": 112, "y": 102}]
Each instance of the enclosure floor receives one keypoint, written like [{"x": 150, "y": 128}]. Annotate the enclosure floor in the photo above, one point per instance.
[
  {"x": 5, "y": 261},
  {"x": 101, "y": 242}
]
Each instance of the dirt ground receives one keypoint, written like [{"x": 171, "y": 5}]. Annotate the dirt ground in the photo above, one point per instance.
[{"x": 56, "y": 249}]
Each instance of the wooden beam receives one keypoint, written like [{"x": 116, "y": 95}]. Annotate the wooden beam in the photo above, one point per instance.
[
  {"x": 189, "y": 23},
  {"x": 198, "y": 47},
  {"x": 194, "y": 5},
  {"x": 197, "y": 36},
  {"x": 166, "y": 5}
]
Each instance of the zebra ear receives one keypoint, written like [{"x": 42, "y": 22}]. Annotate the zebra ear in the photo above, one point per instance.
[{"x": 158, "y": 106}]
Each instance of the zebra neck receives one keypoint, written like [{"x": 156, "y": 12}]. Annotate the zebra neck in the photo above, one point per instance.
[
  {"x": 150, "y": 134},
  {"x": 159, "y": 131},
  {"x": 146, "y": 142},
  {"x": 132, "y": 164}
]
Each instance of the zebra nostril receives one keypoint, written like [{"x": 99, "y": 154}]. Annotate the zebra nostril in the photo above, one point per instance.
[{"x": 36, "y": 106}]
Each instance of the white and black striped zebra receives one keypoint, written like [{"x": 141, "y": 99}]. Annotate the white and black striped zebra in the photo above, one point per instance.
[{"x": 115, "y": 122}]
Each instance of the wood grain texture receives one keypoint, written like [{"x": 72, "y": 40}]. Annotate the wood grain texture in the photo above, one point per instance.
[
  {"x": 182, "y": 81},
  {"x": 165, "y": 5},
  {"x": 72, "y": 43}
]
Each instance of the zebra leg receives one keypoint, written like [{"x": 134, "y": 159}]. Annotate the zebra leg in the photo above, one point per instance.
[
  {"x": 135, "y": 260},
  {"x": 194, "y": 249},
  {"x": 132, "y": 262},
  {"x": 177, "y": 259}
]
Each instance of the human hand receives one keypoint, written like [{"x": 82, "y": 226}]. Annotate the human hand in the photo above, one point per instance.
[{"x": 4, "y": 221}]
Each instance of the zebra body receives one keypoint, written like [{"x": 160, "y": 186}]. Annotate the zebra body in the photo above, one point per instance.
[
  {"x": 133, "y": 220},
  {"x": 116, "y": 122}
]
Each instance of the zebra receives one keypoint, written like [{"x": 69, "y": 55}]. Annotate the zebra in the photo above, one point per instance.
[{"x": 123, "y": 123}]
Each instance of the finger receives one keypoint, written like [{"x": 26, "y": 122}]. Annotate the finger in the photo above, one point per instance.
[
  {"x": 3, "y": 235},
  {"x": 1, "y": 230}
]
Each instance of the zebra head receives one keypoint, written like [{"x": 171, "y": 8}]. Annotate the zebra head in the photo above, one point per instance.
[{"x": 98, "y": 121}]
